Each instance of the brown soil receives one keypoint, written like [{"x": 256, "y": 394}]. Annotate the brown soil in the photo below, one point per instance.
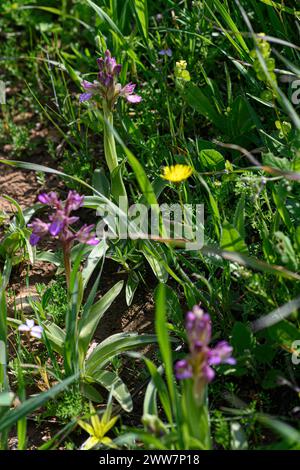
[{"x": 22, "y": 185}]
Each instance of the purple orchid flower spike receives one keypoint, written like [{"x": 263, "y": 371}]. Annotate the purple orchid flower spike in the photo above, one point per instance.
[
  {"x": 198, "y": 364},
  {"x": 61, "y": 219},
  {"x": 107, "y": 86},
  {"x": 59, "y": 225}
]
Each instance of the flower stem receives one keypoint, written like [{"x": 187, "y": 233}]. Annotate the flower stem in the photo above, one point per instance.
[
  {"x": 109, "y": 140},
  {"x": 67, "y": 264}
]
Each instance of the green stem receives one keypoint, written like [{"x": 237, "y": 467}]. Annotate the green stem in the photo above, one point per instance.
[
  {"x": 109, "y": 140},
  {"x": 67, "y": 264}
]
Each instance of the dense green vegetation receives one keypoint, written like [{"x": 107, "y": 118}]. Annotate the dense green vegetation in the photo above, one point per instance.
[{"x": 220, "y": 87}]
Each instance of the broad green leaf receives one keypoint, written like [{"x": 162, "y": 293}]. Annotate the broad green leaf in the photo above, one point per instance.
[
  {"x": 284, "y": 333},
  {"x": 100, "y": 182},
  {"x": 283, "y": 429},
  {"x": 240, "y": 118},
  {"x": 160, "y": 388},
  {"x": 154, "y": 255},
  {"x": 92, "y": 261},
  {"x": 104, "y": 16},
  {"x": 113, "y": 346},
  {"x": 91, "y": 393},
  {"x": 286, "y": 251},
  {"x": 6, "y": 398},
  {"x": 114, "y": 384},
  {"x": 199, "y": 101},
  {"x": 163, "y": 339},
  {"x": 241, "y": 337},
  {"x": 131, "y": 286},
  {"x": 49, "y": 257},
  {"x": 173, "y": 308},
  {"x": 231, "y": 240},
  {"x": 88, "y": 324},
  {"x": 56, "y": 336},
  {"x": 211, "y": 160},
  {"x": 118, "y": 189},
  {"x": 281, "y": 163},
  {"x": 239, "y": 217}
]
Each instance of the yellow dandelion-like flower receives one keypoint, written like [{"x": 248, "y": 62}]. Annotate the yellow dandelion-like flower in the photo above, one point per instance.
[{"x": 177, "y": 173}]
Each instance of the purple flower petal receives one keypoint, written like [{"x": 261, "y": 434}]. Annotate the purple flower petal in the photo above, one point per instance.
[
  {"x": 117, "y": 69},
  {"x": 134, "y": 98},
  {"x": 51, "y": 199},
  {"x": 87, "y": 85},
  {"x": 23, "y": 328},
  {"x": 100, "y": 63},
  {"x": 74, "y": 201},
  {"x": 36, "y": 331},
  {"x": 128, "y": 89},
  {"x": 85, "y": 97},
  {"x": 167, "y": 52},
  {"x": 92, "y": 241},
  {"x": 55, "y": 227},
  {"x": 208, "y": 373},
  {"x": 34, "y": 239},
  {"x": 30, "y": 323},
  {"x": 221, "y": 354},
  {"x": 183, "y": 370},
  {"x": 43, "y": 198},
  {"x": 84, "y": 236}
]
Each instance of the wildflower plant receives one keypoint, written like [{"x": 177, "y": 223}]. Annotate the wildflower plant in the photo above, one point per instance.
[
  {"x": 60, "y": 223},
  {"x": 198, "y": 365},
  {"x": 106, "y": 90},
  {"x": 184, "y": 392},
  {"x": 98, "y": 428}
]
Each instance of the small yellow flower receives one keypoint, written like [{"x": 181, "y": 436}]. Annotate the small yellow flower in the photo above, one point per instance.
[
  {"x": 181, "y": 64},
  {"x": 181, "y": 72},
  {"x": 177, "y": 173},
  {"x": 284, "y": 128},
  {"x": 98, "y": 429}
]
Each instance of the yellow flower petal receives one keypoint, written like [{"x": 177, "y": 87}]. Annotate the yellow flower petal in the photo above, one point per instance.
[
  {"x": 90, "y": 443},
  {"x": 97, "y": 425},
  {"x": 177, "y": 173},
  {"x": 110, "y": 424},
  {"x": 87, "y": 427}
]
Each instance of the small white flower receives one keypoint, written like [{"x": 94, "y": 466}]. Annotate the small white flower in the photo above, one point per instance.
[{"x": 34, "y": 330}]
